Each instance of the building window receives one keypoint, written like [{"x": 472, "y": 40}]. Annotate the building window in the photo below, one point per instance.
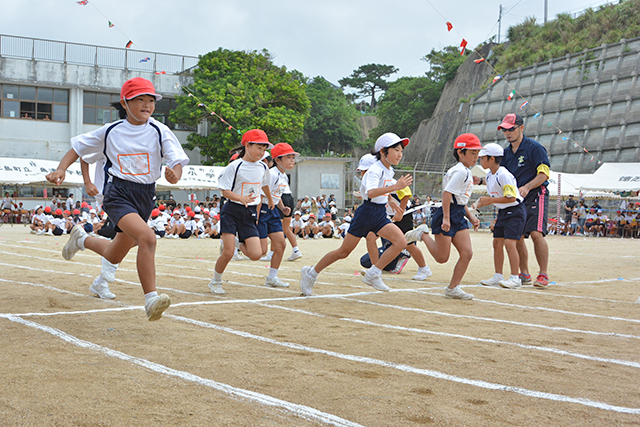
[
  {"x": 161, "y": 114},
  {"x": 30, "y": 102},
  {"x": 97, "y": 108}
]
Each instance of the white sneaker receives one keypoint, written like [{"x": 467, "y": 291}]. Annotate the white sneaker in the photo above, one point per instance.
[
  {"x": 375, "y": 281},
  {"x": 317, "y": 236},
  {"x": 158, "y": 237},
  {"x": 34, "y": 232},
  {"x": 216, "y": 287},
  {"x": 156, "y": 306},
  {"x": 101, "y": 288},
  {"x": 306, "y": 281},
  {"x": 175, "y": 236},
  {"x": 493, "y": 281},
  {"x": 275, "y": 282},
  {"x": 423, "y": 273},
  {"x": 108, "y": 271},
  {"x": 40, "y": 232},
  {"x": 294, "y": 256},
  {"x": 266, "y": 257},
  {"x": 416, "y": 234},
  {"x": 399, "y": 266},
  {"x": 71, "y": 247},
  {"x": 238, "y": 256},
  {"x": 49, "y": 233},
  {"x": 457, "y": 293},
  {"x": 512, "y": 282}
]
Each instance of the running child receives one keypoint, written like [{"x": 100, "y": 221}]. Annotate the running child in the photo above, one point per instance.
[
  {"x": 376, "y": 184},
  {"x": 240, "y": 183},
  {"x": 448, "y": 221},
  {"x": 134, "y": 149},
  {"x": 509, "y": 227},
  {"x": 270, "y": 222}
]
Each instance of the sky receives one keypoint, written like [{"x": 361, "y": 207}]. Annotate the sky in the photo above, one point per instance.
[{"x": 331, "y": 38}]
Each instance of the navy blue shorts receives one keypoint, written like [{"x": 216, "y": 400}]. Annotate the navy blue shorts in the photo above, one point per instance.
[
  {"x": 457, "y": 217},
  {"x": 236, "y": 218},
  {"x": 57, "y": 231},
  {"x": 369, "y": 217},
  {"x": 287, "y": 200},
  {"x": 124, "y": 197},
  {"x": 269, "y": 221},
  {"x": 510, "y": 222},
  {"x": 537, "y": 205}
]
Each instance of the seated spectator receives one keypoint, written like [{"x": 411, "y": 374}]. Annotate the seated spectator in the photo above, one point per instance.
[
  {"x": 298, "y": 225},
  {"x": 327, "y": 227},
  {"x": 312, "y": 229}
]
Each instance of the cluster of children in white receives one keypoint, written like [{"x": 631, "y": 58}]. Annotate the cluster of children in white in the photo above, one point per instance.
[{"x": 130, "y": 153}]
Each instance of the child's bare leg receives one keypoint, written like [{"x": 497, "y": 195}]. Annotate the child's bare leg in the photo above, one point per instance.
[
  {"x": 372, "y": 248},
  {"x": 250, "y": 247},
  {"x": 278, "y": 245},
  {"x": 348, "y": 245},
  {"x": 462, "y": 243},
  {"x": 439, "y": 246},
  {"x": 288, "y": 232},
  {"x": 392, "y": 233},
  {"x": 417, "y": 255},
  {"x": 498, "y": 254},
  {"x": 524, "y": 256},
  {"x": 512, "y": 253}
]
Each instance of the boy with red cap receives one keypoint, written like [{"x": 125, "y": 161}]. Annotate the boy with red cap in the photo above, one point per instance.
[
  {"x": 284, "y": 159},
  {"x": 448, "y": 223},
  {"x": 134, "y": 149}
]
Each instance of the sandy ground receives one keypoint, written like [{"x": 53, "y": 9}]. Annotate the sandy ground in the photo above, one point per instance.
[{"x": 348, "y": 356}]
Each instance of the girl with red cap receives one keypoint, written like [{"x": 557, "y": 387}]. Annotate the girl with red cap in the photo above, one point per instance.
[
  {"x": 240, "y": 183},
  {"x": 134, "y": 149},
  {"x": 449, "y": 225}
]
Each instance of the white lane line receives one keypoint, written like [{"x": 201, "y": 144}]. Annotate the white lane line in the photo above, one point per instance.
[
  {"x": 301, "y": 411},
  {"x": 465, "y": 337},
  {"x": 413, "y": 370}
]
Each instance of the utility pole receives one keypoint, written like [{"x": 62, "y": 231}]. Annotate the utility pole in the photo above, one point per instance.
[
  {"x": 500, "y": 22},
  {"x": 545, "y": 12}
]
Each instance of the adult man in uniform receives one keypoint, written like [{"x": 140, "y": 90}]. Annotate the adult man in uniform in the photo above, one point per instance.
[{"x": 527, "y": 160}]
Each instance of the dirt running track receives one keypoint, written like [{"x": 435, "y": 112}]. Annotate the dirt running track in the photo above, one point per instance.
[{"x": 348, "y": 356}]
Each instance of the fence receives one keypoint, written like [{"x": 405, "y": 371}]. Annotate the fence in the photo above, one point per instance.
[{"x": 97, "y": 56}]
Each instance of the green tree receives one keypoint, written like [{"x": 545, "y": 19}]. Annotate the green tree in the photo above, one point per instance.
[
  {"x": 369, "y": 79},
  {"x": 407, "y": 102},
  {"x": 443, "y": 64},
  {"x": 332, "y": 122},
  {"x": 248, "y": 91}
]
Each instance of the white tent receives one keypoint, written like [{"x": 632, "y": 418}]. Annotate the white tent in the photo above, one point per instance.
[
  {"x": 618, "y": 177},
  {"x": 15, "y": 171}
]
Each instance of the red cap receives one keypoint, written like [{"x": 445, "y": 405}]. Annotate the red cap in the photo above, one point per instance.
[
  {"x": 217, "y": 216},
  {"x": 67, "y": 212},
  {"x": 188, "y": 208},
  {"x": 58, "y": 211},
  {"x": 196, "y": 202},
  {"x": 47, "y": 209},
  {"x": 161, "y": 207},
  {"x": 234, "y": 157},
  {"x": 511, "y": 120},
  {"x": 192, "y": 214},
  {"x": 468, "y": 141},
  {"x": 76, "y": 211},
  {"x": 138, "y": 86},
  {"x": 282, "y": 149},
  {"x": 155, "y": 212},
  {"x": 312, "y": 216},
  {"x": 256, "y": 136},
  {"x": 327, "y": 214},
  {"x": 85, "y": 205}
]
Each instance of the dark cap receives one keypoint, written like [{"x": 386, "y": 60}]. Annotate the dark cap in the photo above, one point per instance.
[{"x": 511, "y": 120}]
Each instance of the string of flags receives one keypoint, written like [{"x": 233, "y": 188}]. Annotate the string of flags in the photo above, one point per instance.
[
  {"x": 514, "y": 93},
  {"x": 206, "y": 107}
]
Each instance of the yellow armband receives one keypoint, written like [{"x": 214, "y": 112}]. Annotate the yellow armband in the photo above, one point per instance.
[
  {"x": 544, "y": 169},
  {"x": 509, "y": 191},
  {"x": 406, "y": 191}
]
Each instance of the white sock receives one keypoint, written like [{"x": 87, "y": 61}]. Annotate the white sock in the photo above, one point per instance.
[
  {"x": 375, "y": 271},
  {"x": 270, "y": 253},
  {"x": 273, "y": 272},
  {"x": 295, "y": 249},
  {"x": 81, "y": 241},
  {"x": 420, "y": 269},
  {"x": 149, "y": 296},
  {"x": 313, "y": 273},
  {"x": 217, "y": 277},
  {"x": 514, "y": 277}
]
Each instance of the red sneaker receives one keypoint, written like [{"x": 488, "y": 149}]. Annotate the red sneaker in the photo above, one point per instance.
[
  {"x": 525, "y": 278},
  {"x": 542, "y": 281}
]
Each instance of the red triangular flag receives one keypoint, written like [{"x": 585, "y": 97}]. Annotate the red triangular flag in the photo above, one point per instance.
[
  {"x": 449, "y": 26},
  {"x": 129, "y": 44},
  {"x": 477, "y": 61},
  {"x": 463, "y": 45}
]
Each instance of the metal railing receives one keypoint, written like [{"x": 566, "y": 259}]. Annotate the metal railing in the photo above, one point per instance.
[{"x": 95, "y": 56}]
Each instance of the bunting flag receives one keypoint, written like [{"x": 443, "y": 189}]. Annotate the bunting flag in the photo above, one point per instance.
[
  {"x": 161, "y": 72},
  {"x": 83, "y": 2},
  {"x": 477, "y": 61},
  {"x": 511, "y": 95},
  {"x": 496, "y": 78},
  {"x": 524, "y": 105},
  {"x": 536, "y": 115},
  {"x": 463, "y": 45},
  {"x": 147, "y": 59},
  {"x": 449, "y": 26},
  {"x": 129, "y": 44},
  {"x": 111, "y": 24}
]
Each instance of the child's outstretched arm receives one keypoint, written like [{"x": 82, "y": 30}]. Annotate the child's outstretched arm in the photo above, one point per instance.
[
  {"x": 57, "y": 176},
  {"x": 92, "y": 190},
  {"x": 174, "y": 174}
]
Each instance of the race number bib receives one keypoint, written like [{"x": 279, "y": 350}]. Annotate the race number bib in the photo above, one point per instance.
[{"x": 134, "y": 164}]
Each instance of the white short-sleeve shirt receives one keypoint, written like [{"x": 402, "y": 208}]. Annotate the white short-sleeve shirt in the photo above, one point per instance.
[
  {"x": 244, "y": 179},
  {"x": 278, "y": 184},
  {"x": 377, "y": 176},
  {"x": 500, "y": 183},
  {"x": 459, "y": 182},
  {"x": 133, "y": 152}
]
